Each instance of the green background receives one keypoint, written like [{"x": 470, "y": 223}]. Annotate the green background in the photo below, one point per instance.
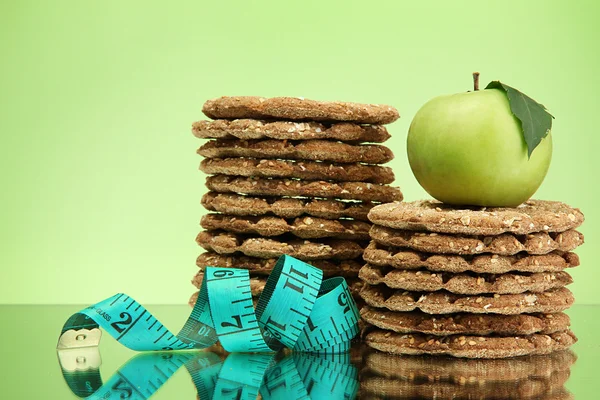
[{"x": 100, "y": 187}]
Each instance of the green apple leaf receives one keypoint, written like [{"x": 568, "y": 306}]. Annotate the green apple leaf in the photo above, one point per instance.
[{"x": 535, "y": 119}]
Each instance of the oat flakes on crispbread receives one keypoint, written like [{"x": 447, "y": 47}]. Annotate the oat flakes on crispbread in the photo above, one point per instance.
[
  {"x": 248, "y": 129},
  {"x": 464, "y": 283},
  {"x": 314, "y": 150},
  {"x": 430, "y": 215},
  {"x": 307, "y": 170},
  {"x": 286, "y": 207},
  {"x": 400, "y": 258},
  {"x": 298, "y": 109}
]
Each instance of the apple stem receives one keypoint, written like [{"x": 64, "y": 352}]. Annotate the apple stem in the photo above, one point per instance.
[{"x": 476, "y": 81}]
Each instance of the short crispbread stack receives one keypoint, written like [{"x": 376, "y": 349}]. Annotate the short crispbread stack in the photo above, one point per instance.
[
  {"x": 291, "y": 176},
  {"x": 470, "y": 282}
]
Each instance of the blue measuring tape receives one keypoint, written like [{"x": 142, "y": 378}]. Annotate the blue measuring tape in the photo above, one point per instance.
[
  {"x": 240, "y": 376},
  {"x": 297, "y": 309}
]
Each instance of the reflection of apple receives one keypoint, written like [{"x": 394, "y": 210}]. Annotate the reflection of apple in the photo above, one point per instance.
[{"x": 469, "y": 149}]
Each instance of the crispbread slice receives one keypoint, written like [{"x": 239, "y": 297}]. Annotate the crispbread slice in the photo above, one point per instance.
[
  {"x": 464, "y": 283},
  {"x": 307, "y": 170},
  {"x": 430, "y": 215},
  {"x": 443, "y": 302},
  {"x": 400, "y": 258},
  {"x": 315, "y": 150},
  {"x": 286, "y": 207},
  {"x": 290, "y": 187},
  {"x": 470, "y": 346},
  {"x": 298, "y": 109},
  {"x": 304, "y": 227},
  {"x": 318, "y": 249},
  {"x": 465, "y": 323},
  {"x": 247, "y": 129},
  {"x": 264, "y": 266},
  {"x": 505, "y": 244}
]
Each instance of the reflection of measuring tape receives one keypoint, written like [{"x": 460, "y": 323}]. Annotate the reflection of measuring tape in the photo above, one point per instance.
[
  {"x": 241, "y": 376},
  {"x": 297, "y": 309}
]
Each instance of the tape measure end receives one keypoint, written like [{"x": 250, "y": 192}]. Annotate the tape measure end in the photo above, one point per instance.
[{"x": 74, "y": 339}]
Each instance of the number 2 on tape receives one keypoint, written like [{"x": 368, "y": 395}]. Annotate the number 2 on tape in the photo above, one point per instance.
[{"x": 297, "y": 309}]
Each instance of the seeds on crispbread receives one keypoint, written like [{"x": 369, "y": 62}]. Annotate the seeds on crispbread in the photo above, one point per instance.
[
  {"x": 298, "y": 109},
  {"x": 315, "y": 150},
  {"x": 377, "y": 254},
  {"x": 505, "y": 244},
  {"x": 466, "y": 324},
  {"x": 443, "y": 302},
  {"x": 323, "y": 249},
  {"x": 247, "y": 129},
  {"x": 464, "y": 283},
  {"x": 289, "y": 187},
  {"x": 308, "y": 170},
  {"x": 470, "y": 346},
  {"x": 235, "y": 204}
]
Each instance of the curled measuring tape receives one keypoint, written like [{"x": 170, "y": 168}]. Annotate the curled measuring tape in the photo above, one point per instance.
[
  {"x": 239, "y": 376},
  {"x": 297, "y": 309}
]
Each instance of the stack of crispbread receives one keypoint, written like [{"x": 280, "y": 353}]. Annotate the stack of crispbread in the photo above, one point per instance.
[
  {"x": 291, "y": 176},
  {"x": 470, "y": 282}
]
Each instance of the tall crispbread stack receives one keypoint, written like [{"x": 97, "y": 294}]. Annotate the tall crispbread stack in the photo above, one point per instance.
[
  {"x": 470, "y": 282},
  {"x": 291, "y": 176}
]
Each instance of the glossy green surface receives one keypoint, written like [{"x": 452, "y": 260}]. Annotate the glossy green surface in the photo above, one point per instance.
[{"x": 30, "y": 369}]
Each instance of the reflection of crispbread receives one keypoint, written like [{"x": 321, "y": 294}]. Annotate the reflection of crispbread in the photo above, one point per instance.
[
  {"x": 235, "y": 204},
  {"x": 290, "y": 187},
  {"x": 376, "y": 388},
  {"x": 264, "y": 266},
  {"x": 485, "y": 263},
  {"x": 304, "y": 227},
  {"x": 468, "y": 371},
  {"x": 309, "y": 170},
  {"x": 324, "y": 249},
  {"x": 246, "y": 129},
  {"x": 442, "y": 302},
  {"x": 504, "y": 244},
  {"x": 298, "y": 109},
  {"x": 464, "y": 283},
  {"x": 470, "y": 346},
  {"x": 532, "y": 216},
  {"x": 466, "y": 324},
  {"x": 315, "y": 150}
]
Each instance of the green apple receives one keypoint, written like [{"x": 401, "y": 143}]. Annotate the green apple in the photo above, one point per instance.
[{"x": 469, "y": 149}]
